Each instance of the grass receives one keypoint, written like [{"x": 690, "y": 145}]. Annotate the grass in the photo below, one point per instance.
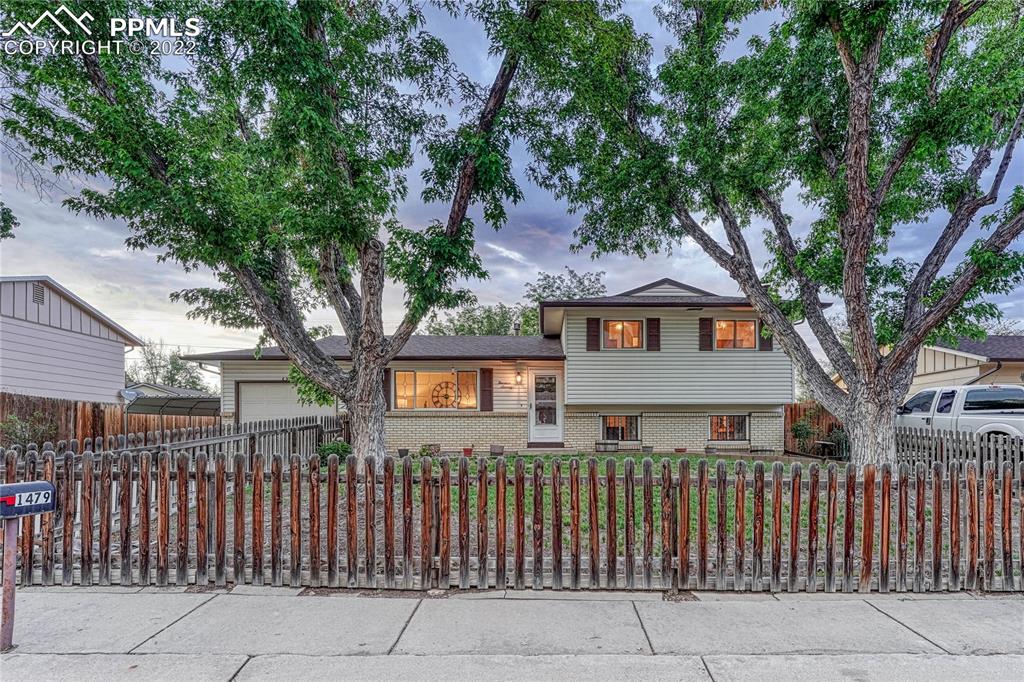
[{"x": 620, "y": 517}]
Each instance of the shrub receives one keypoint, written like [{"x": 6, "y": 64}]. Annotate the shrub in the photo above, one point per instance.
[
  {"x": 841, "y": 440},
  {"x": 804, "y": 433},
  {"x": 335, "y": 447},
  {"x": 37, "y": 428}
]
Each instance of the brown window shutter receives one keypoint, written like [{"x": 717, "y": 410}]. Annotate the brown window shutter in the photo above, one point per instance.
[
  {"x": 653, "y": 333},
  {"x": 764, "y": 342},
  {"x": 387, "y": 389},
  {"x": 486, "y": 389},
  {"x": 593, "y": 333},
  {"x": 706, "y": 340}
]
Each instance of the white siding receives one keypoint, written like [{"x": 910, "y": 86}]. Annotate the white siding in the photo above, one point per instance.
[
  {"x": 38, "y": 359},
  {"x": 679, "y": 374},
  {"x": 56, "y": 311},
  {"x": 666, "y": 290}
]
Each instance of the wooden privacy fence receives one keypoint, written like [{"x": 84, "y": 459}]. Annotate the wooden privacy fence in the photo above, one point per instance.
[
  {"x": 821, "y": 423},
  {"x": 520, "y": 523},
  {"x": 77, "y": 419},
  {"x": 958, "y": 448},
  {"x": 299, "y": 435}
]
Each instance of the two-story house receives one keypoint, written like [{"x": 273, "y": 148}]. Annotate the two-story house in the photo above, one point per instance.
[{"x": 665, "y": 365}]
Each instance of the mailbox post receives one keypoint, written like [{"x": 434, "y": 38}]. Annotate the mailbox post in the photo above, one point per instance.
[{"x": 16, "y": 500}]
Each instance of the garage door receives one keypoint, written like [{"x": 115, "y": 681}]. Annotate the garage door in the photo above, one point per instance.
[{"x": 274, "y": 400}]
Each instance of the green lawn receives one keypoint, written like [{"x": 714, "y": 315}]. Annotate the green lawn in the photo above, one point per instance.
[{"x": 620, "y": 459}]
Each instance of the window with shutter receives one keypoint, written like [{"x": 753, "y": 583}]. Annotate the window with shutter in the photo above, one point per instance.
[
  {"x": 705, "y": 333},
  {"x": 486, "y": 389},
  {"x": 653, "y": 333},
  {"x": 593, "y": 333}
]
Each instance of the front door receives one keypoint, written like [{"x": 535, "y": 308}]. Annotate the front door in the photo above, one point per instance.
[{"x": 545, "y": 406}]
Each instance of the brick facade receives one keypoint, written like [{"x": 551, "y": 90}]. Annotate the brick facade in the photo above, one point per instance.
[
  {"x": 454, "y": 431},
  {"x": 667, "y": 430}
]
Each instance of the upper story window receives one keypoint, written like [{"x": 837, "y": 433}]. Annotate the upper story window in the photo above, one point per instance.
[
  {"x": 735, "y": 334},
  {"x": 428, "y": 390},
  {"x": 623, "y": 334}
]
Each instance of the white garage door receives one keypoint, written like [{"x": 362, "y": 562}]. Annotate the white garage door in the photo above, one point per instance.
[{"x": 274, "y": 400}]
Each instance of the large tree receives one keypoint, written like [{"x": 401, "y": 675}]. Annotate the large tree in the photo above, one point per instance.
[
  {"x": 887, "y": 126},
  {"x": 276, "y": 154}
]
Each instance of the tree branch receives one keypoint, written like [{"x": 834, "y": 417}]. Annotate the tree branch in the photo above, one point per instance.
[
  {"x": 340, "y": 291},
  {"x": 813, "y": 310},
  {"x": 857, "y": 224},
  {"x": 827, "y": 156},
  {"x": 907, "y": 347},
  {"x": 485, "y": 124},
  {"x": 286, "y": 327},
  {"x": 960, "y": 220},
  {"x": 952, "y": 19},
  {"x": 741, "y": 268},
  {"x": 156, "y": 163}
]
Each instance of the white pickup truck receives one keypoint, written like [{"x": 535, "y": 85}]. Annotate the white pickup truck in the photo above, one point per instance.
[{"x": 995, "y": 409}]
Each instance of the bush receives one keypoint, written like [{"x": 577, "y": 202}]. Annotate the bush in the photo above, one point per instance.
[
  {"x": 429, "y": 450},
  {"x": 841, "y": 440},
  {"x": 335, "y": 447},
  {"x": 804, "y": 433},
  {"x": 37, "y": 428}
]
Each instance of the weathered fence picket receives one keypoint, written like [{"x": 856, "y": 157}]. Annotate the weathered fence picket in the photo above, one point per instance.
[{"x": 942, "y": 522}]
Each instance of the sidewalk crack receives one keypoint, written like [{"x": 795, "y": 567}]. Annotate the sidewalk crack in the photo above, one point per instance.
[
  {"x": 244, "y": 663},
  {"x": 402, "y": 632},
  {"x": 707, "y": 669},
  {"x": 643, "y": 627},
  {"x": 175, "y": 621},
  {"x": 899, "y": 622}
]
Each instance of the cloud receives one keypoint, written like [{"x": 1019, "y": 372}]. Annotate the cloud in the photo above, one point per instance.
[
  {"x": 116, "y": 254},
  {"x": 507, "y": 253}
]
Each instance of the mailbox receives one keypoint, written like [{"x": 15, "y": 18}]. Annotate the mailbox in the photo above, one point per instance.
[{"x": 26, "y": 499}]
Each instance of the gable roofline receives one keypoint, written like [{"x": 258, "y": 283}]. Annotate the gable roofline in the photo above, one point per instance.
[
  {"x": 132, "y": 339},
  {"x": 670, "y": 282},
  {"x": 419, "y": 347}
]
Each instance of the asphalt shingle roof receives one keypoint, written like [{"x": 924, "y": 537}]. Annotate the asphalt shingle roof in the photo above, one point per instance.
[
  {"x": 1008, "y": 348},
  {"x": 424, "y": 347}
]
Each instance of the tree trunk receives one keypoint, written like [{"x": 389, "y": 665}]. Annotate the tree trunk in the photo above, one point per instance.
[
  {"x": 871, "y": 425},
  {"x": 366, "y": 413}
]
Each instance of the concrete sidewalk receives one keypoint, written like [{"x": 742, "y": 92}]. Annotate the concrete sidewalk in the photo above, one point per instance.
[{"x": 278, "y": 633}]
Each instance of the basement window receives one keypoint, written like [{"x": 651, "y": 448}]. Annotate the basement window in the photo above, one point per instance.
[
  {"x": 728, "y": 427},
  {"x": 626, "y": 427}
]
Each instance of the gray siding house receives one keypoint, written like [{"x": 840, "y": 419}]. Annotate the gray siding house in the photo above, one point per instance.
[
  {"x": 55, "y": 345},
  {"x": 665, "y": 365}
]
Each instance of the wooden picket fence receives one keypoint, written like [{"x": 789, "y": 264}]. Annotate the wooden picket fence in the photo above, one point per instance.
[
  {"x": 958, "y": 448},
  {"x": 538, "y": 523}
]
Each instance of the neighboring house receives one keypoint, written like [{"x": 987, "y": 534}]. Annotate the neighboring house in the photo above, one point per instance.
[
  {"x": 996, "y": 360},
  {"x": 665, "y": 365},
  {"x": 154, "y": 389},
  {"x": 55, "y": 345}
]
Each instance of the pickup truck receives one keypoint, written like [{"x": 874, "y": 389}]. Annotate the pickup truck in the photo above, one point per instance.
[{"x": 993, "y": 409}]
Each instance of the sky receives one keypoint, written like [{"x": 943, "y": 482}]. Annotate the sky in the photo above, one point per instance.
[{"x": 89, "y": 256}]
